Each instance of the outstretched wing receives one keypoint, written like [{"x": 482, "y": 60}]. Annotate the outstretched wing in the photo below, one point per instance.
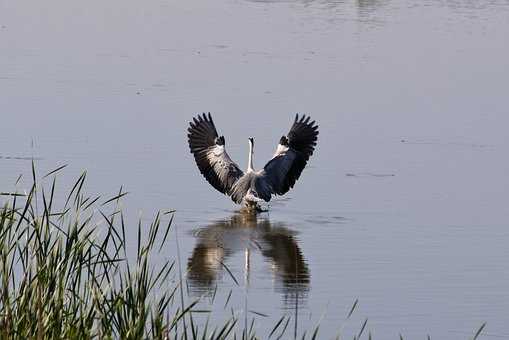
[
  {"x": 292, "y": 155},
  {"x": 210, "y": 154}
]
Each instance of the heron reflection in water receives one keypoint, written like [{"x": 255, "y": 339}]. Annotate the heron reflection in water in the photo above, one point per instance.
[{"x": 249, "y": 234}]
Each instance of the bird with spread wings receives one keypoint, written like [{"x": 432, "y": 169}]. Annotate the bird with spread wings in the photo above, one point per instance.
[{"x": 249, "y": 188}]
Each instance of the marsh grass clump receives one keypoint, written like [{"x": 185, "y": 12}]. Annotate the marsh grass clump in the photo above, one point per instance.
[{"x": 68, "y": 272}]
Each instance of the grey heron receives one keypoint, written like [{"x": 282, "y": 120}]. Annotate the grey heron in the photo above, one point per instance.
[{"x": 249, "y": 188}]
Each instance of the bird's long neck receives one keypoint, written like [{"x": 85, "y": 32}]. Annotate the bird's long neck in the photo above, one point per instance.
[{"x": 250, "y": 160}]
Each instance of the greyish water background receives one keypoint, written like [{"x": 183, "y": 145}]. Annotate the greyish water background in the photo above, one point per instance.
[{"x": 405, "y": 203}]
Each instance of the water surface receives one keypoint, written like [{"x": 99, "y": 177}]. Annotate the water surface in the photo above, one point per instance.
[{"x": 403, "y": 205}]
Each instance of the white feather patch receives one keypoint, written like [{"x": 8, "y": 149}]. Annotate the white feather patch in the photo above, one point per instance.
[{"x": 281, "y": 149}]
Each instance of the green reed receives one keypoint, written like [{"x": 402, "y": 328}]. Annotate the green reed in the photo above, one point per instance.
[{"x": 67, "y": 272}]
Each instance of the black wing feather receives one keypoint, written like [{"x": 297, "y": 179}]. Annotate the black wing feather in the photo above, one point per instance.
[{"x": 285, "y": 169}]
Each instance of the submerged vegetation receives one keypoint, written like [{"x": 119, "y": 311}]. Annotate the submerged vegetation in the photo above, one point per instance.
[{"x": 67, "y": 271}]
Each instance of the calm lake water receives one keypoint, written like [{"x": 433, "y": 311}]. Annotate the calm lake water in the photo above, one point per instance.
[{"x": 404, "y": 204}]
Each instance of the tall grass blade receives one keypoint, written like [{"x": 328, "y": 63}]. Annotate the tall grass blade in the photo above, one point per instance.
[{"x": 479, "y": 331}]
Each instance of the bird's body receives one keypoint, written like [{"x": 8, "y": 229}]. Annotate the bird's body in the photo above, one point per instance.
[{"x": 251, "y": 187}]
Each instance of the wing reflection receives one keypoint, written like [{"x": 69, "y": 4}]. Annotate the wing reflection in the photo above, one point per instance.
[{"x": 249, "y": 235}]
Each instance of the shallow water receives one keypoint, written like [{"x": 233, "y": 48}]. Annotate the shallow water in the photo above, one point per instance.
[{"x": 404, "y": 204}]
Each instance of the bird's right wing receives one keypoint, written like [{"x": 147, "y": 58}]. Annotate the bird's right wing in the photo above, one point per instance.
[
  {"x": 210, "y": 154},
  {"x": 292, "y": 155}
]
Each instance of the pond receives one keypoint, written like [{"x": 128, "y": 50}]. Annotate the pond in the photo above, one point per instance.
[{"x": 403, "y": 206}]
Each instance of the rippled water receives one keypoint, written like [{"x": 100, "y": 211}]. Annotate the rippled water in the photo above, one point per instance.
[{"x": 404, "y": 204}]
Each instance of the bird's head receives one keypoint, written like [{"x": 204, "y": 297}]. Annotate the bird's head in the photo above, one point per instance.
[{"x": 251, "y": 140}]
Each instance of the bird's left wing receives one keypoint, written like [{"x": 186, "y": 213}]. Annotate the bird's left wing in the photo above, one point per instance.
[
  {"x": 210, "y": 154},
  {"x": 292, "y": 155}
]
